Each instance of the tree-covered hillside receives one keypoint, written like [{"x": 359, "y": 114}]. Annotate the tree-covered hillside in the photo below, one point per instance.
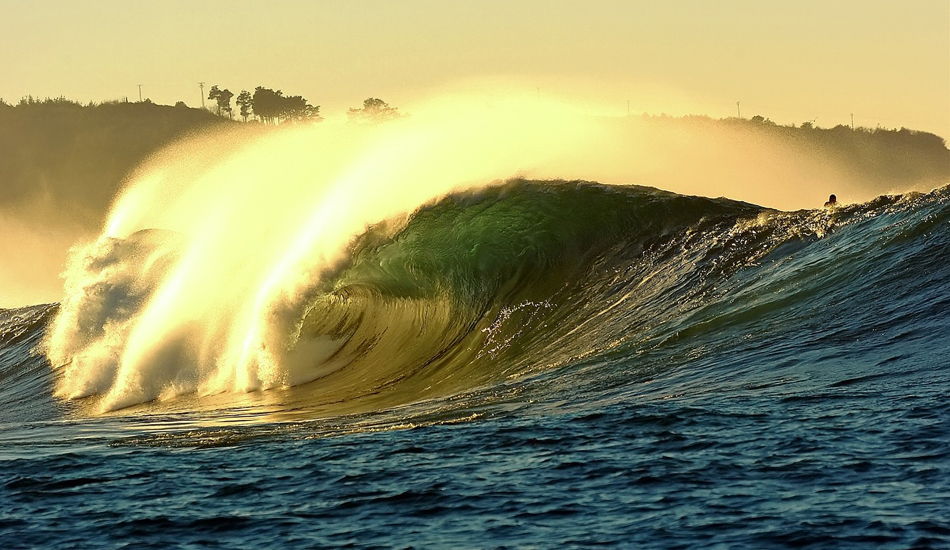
[{"x": 77, "y": 156}]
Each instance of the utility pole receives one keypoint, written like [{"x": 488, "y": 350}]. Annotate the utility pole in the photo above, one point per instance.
[
  {"x": 852, "y": 122},
  {"x": 140, "y": 93},
  {"x": 202, "y": 86},
  {"x": 738, "y": 112}
]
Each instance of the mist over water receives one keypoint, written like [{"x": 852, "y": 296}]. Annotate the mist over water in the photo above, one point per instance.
[{"x": 67, "y": 162}]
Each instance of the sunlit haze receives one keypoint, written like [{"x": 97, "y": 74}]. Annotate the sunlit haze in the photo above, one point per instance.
[
  {"x": 885, "y": 62},
  {"x": 474, "y": 274},
  {"x": 487, "y": 67}
]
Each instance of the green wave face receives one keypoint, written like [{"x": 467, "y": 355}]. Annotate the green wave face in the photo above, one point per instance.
[
  {"x": 524, "y": 277},
  {"x": 485, "y": 285}
]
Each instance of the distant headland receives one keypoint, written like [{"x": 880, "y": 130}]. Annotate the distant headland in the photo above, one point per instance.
[{"x": 79, "y": 154}]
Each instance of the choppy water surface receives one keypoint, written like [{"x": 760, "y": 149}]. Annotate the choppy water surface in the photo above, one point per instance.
[{"x": 533, "y": 364}]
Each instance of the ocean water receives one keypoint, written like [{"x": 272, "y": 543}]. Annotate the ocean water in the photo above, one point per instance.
[{"x": 530, "y": 364}]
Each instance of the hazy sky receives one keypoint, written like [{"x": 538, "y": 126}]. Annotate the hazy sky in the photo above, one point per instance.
[{"x": 888, "y": 62}]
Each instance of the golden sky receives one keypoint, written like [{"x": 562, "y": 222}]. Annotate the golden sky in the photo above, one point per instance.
[{"x": 887, "y": 62}]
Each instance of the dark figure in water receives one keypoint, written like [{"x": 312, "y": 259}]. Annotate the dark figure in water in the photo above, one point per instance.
[{"x": 832, "y": 201}]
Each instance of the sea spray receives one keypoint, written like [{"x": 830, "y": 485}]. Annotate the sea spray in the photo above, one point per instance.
[{"x": 255, "y": 230}]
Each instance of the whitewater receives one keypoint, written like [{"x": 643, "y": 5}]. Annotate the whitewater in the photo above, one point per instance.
[{"x": 445, "y": 335}]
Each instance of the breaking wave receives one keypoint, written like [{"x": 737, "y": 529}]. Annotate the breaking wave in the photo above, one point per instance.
[{"x": 481, "y": 286}]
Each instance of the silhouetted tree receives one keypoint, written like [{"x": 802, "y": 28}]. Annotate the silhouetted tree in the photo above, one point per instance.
[
  {"x": 244, "y": 101},
  {"x": 374, "y": 110},
  {"x": 28, "y": 101},
  {"x": 213, "y": 94},
  {"x": 223, "y": 98},
  {"x": 273, "y": 108},
  {"x": 295, "y": 108},
  {"x": 266, "y": 104}
]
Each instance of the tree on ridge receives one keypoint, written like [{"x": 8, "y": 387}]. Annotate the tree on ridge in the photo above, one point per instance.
[
  {"x": 272, "y": 107},
  {"x": 223, "y": 99},
  {"x": 244, "y": 101},
  {"x": 374, "y": 110}
]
